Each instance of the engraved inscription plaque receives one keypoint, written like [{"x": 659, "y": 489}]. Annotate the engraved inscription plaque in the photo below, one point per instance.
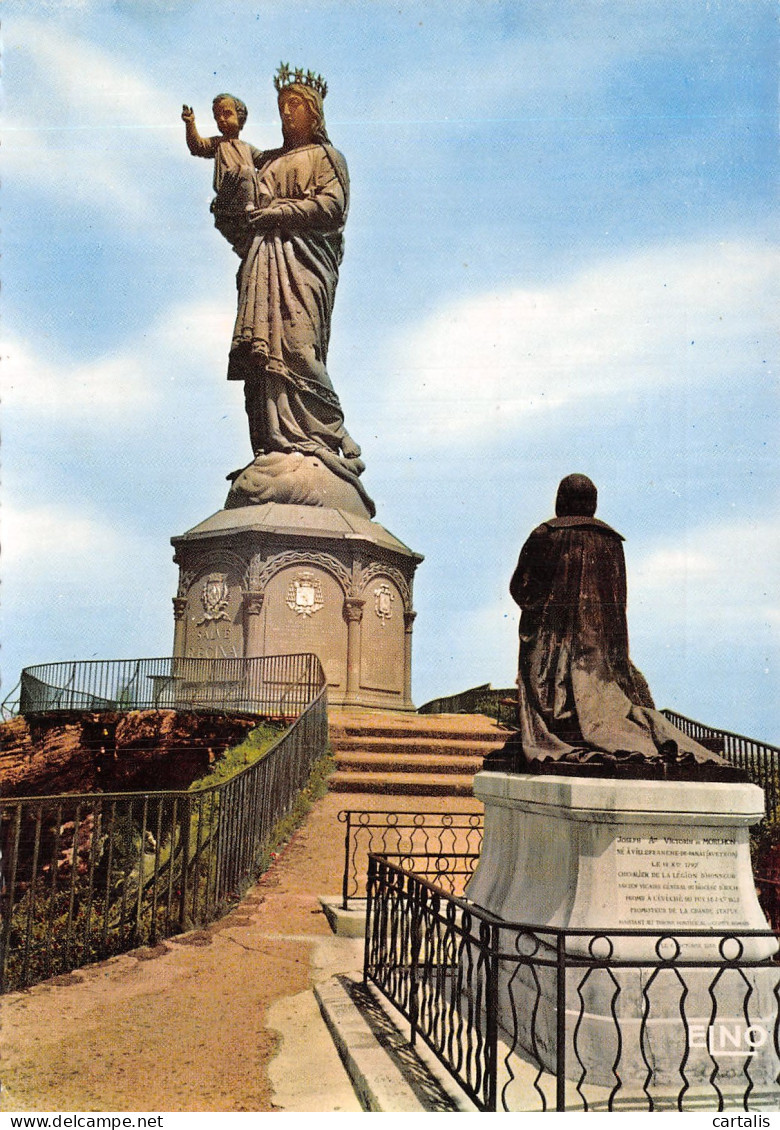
[{"x": 669, "y": 881}]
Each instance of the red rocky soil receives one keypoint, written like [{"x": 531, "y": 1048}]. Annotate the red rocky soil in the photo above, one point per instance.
[{"x": 82, "y": 752}]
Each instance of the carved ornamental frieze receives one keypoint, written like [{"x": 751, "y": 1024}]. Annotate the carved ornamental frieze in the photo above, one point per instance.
[{"x": 261, "y": 570}]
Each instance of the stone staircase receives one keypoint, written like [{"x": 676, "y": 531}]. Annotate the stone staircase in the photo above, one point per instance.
[{"x": 409, "y": 754}]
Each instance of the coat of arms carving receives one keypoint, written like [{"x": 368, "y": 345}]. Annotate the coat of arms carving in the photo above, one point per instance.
[
  {"x": 383, "y": 602},
  {"x": 304, "y": 596},
  {"x": 214, "y": 596}
]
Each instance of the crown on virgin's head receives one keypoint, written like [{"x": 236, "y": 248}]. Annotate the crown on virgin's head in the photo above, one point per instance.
[{"x": 285, "y": 76}]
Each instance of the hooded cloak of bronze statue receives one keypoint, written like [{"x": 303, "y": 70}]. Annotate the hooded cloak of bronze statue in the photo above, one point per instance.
[{"x": 580, "y": 699}]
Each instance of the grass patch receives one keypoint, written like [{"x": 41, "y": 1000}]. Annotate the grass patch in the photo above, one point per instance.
[
  {"x": 315, "y": 788},
  {"x": 254, "y": 747}
]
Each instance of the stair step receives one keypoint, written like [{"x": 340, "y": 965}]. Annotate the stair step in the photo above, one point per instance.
[
  {"x": 413, "y": 743},
  {"x": 388, "y": 733},
  {"x": 408, "y": 784},
  {"x": 448, "y": 727},
  {"x": 434, "y": 762},
  {"x": 381, "y": 751}
]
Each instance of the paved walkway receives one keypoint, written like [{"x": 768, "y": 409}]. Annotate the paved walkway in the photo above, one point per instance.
[{"x": 221, "y": 1019}]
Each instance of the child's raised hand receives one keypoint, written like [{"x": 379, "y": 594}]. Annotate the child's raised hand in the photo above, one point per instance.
[{"x": 186, "y": 114}]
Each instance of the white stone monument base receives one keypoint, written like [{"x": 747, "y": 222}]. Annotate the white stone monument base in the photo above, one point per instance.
[
  {"x": 607, "y": 855},
  {"x": 685, "y": 1036}
]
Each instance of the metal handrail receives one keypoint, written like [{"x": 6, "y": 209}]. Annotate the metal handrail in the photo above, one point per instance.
[
  {"x": 759, "y": 760},
  {"x": 475, "y": 700},
  {"x": 271, "y": 685},
  {"x": 10, "y": 705},
  {"x": 89, "y": 875}
]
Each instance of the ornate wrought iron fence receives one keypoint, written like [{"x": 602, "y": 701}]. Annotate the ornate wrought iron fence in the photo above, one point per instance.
[
  {"x": 534, "y": 1018},
  {"x": 444, "y": 847},
  {"x": 271, "y": 685},
  {"x": 442, "y": 844},
  {"x": 84, "y": 877}
]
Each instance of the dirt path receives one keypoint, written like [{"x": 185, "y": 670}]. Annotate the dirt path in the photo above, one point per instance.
[{"x": 183, "y": 1027}]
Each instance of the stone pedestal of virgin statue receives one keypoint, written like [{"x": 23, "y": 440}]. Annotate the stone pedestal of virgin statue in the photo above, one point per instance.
[
  {"x": 294, "y": 561},
  {"x": 280, "y": 578}
]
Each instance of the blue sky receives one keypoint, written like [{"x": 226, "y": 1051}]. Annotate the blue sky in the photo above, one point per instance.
[{"x": 560, "y": 257}]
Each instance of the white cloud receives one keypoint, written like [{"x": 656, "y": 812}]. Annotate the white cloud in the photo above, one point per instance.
[
  {"x": 99, "y": 117},
  {"x": 189, "y": 342},
  {"x": 41, "y": 7},
  {"x": 724, "y": 579},
  {"x": 88, "y": 86},
  {"x": 681, "y": 315},
  {"x": 196, "y": 334},
  {"x": 44, "y": 541},
  {"x": 77, "y": 585},
  {"x": 703, "y": 620},
  {"x": 111, "y": 386}
]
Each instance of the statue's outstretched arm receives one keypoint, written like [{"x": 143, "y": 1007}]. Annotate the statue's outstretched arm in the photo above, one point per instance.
[{"x": 197, "y": 145}]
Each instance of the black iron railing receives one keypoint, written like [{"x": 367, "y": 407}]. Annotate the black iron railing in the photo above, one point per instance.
[
  {"x": 271, "y": 685},
  {"x": 534, "y": 1018},
  {"x": 84, "y": 877},
  {"x": 484, "y": 699},
  {"x": 759, "y": 760},
  {"x": 442, "y": 844}
]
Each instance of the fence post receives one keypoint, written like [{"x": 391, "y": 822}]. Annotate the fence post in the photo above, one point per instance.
[
  {"x": 560, "y": 1036},
  {"x": 344, "y": 881},
  {"x": 417, "y": 894},
  {"x": 370, "y": 882},
  {"x": 7, "y": 887},
  {"x": 185, "y": 860},
  {"x": 491, "y": 1028}
]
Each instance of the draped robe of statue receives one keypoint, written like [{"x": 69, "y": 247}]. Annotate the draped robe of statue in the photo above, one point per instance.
[
  {"x": 286, "y": 289},
  {"x": 579, "y": 695}
]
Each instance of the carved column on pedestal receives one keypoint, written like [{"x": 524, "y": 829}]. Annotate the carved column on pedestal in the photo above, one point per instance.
[
  {"x": 179, "y": 625},
  {"x": 409, "y": 618},
  {"x": 253, "y": 607},
  {"x": 353, "y": 611}
]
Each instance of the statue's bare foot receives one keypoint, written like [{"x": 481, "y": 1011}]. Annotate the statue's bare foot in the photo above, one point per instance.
[{"x": 349, "y": 448}]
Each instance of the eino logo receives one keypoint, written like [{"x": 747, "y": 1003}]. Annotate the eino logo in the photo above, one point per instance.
[{"x": 728, "y": 1037}]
